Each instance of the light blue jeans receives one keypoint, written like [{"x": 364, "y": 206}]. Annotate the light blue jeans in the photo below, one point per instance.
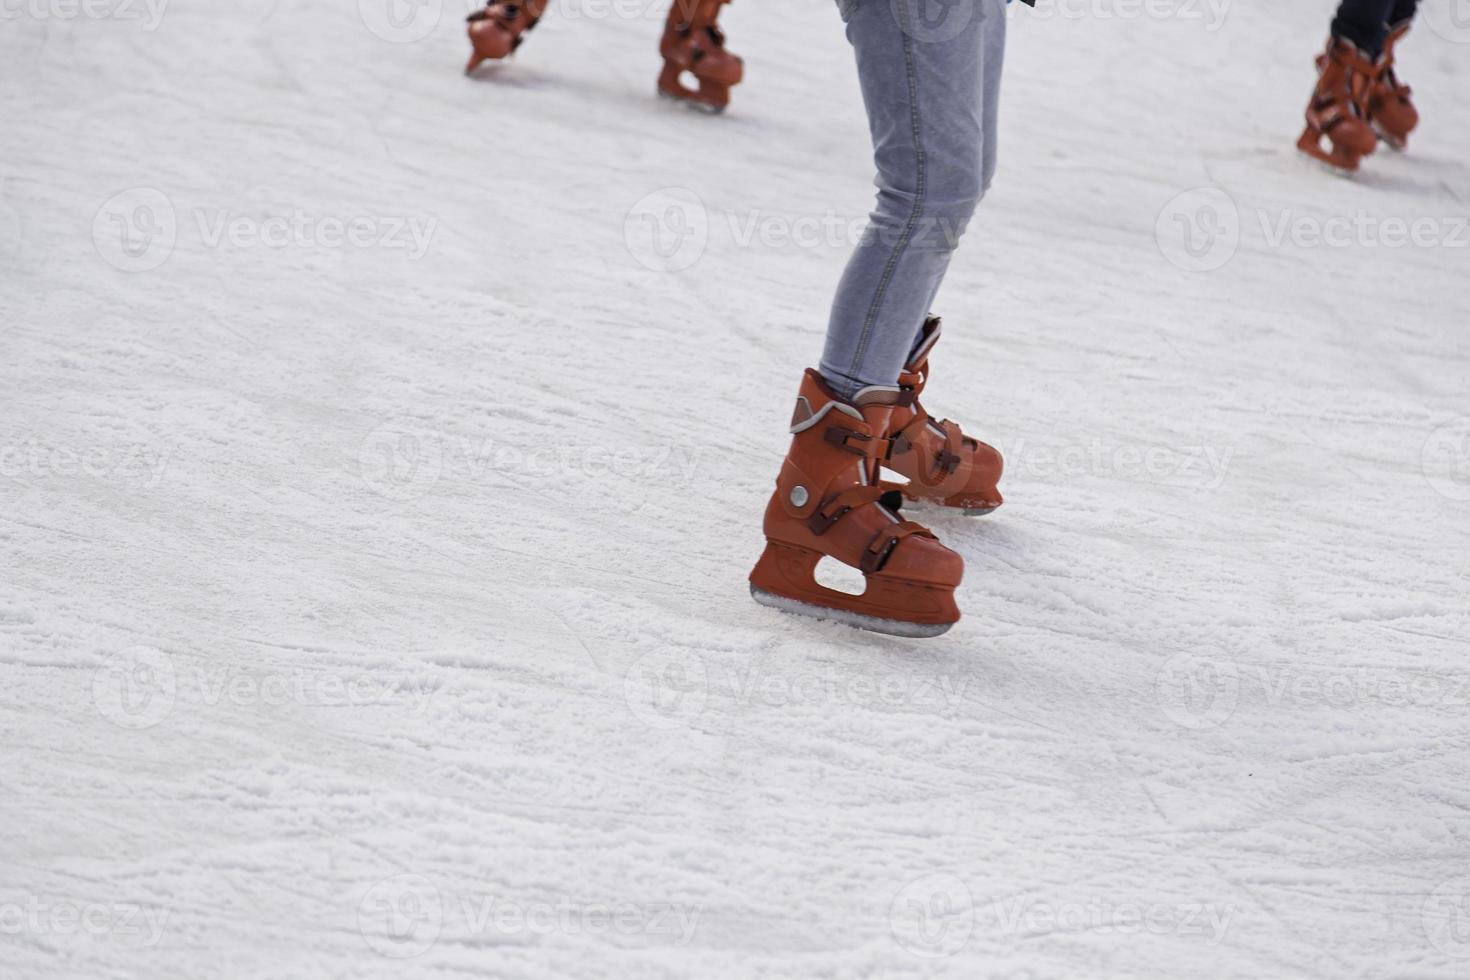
[{"x": 930, "y": 75}]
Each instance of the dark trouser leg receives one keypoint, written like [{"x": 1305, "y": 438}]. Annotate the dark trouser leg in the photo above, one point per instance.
[{"x": 1365, "y": 22}]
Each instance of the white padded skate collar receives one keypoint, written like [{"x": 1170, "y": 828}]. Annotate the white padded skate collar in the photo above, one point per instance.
[
  {"x": 804, "y": 418},
  {"x": 878, "y": 395}
]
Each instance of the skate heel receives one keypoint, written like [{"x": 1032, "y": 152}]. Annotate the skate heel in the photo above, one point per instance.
[
  {"x": 1340, "y": 158},
  {"x": 785, "y": 579},
  {"x": 497, "y": 31},
  {"x": 711, "y": 96}
]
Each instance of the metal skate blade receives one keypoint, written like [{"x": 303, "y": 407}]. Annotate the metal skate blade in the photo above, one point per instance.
[
  {"x": 934, "y": 507},
  {"x": 873, "y": 624},
  {"x": 692, "y": 103}
]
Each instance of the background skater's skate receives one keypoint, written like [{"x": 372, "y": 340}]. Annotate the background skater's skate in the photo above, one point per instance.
[
  {"x": 1391, "y": 108},
  {"x": 1337, "y": 130},
  {"x": 498, "y": 30},
  {"x": 692, "y": 44}
]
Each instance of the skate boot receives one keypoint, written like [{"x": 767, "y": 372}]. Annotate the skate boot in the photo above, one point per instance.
[
  {"x": 828, "y": 502},
  {"x": 941, "y": 463},
  {"x": 499, "y": 29},
  {"x": 1390, "y": 106},
  {"x": 1338, "y": 112},
  {"x": 693, "y": 44}
]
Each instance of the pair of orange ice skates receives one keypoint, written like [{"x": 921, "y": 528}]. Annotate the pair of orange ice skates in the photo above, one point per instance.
[
  {"x": 831, "y": 500},
  {"x": 1358, "y": 101},
  {"x": 697, "y": 69}
]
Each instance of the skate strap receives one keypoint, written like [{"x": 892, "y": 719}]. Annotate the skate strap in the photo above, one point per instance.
[
  {"x": 857, "y": 442},
  {"x": 838, "y": 505},
  {"x": 948, "y": 458},
  {"x": 875, "y": 555}
]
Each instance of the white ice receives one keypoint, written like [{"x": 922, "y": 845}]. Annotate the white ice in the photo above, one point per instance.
[{"x": 382, "y": 455}]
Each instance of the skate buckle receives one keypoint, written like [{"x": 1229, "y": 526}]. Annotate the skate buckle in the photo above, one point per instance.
[
  {"x": 841, "y": 437},
  {"x": 821, "y": 521}
]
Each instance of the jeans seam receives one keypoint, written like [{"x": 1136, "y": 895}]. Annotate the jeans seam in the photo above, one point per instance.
[{"x": 891, "y": 267}]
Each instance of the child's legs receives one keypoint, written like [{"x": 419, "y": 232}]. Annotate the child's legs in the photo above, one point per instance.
[{"x": 931, "y": 89}]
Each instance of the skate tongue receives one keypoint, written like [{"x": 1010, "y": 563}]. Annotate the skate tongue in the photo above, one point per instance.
[{"x": 928, "y": 337}]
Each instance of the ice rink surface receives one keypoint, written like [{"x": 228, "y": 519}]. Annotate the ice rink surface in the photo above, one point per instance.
[{"x": 382, "y": 454}]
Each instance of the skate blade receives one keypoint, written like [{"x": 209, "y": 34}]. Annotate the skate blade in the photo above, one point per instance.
[
  {"x": 692, "y": 102},
  {"x": 1392, "y": 142},
  {"x": 1342, "y": 164},
  {"x": 873, "y": 624},
  {"x": 924, "y": 504}
]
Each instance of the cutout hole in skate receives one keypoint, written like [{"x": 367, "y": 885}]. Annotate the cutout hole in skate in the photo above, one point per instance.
[
  {"x": 888, "y": 476},
  {"x": 832, "y": 574}
]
